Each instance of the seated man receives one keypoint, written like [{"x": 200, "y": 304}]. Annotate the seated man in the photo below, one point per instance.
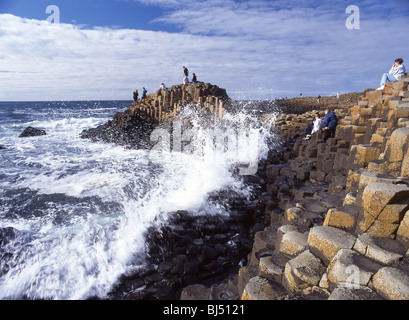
[
  {"x": 397, "y": 70},
  {"x": 330, "y": 124}
]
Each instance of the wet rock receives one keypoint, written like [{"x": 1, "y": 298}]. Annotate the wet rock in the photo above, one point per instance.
[
  {"x": 7, "y": 234},
  {"x": 131, "y": 130},
  {"x": 32, "y": 132},
  {"x": 187, "y": 252}
]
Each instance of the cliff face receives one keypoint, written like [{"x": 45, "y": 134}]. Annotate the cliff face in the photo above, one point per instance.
[{"x": 133, "y": 127}]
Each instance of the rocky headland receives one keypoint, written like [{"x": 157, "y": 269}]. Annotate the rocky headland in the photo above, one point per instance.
[{"x": 133, "y": 127}]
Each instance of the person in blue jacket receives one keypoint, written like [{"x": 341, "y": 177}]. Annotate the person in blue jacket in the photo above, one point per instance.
[
  {"x": 330, "y": 124},
  {"x": 144, "y": 92}
]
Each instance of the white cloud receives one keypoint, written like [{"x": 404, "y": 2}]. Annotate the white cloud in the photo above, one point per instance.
[{"x": 254, "y": 49}]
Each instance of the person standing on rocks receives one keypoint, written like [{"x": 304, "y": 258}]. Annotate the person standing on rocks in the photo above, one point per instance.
[
  {"x": 330, "y": 124},
  {"x": 185, "y": 71},
  {"x": 144, "y": 91},
  {"x": 135, "y": 96},
  {"x": 397, "y": 70},
  {"x": 185, "y": 82}
]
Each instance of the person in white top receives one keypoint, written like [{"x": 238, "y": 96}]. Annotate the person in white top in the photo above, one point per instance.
[
  {"x": 316, "y": 127},
  {"x": 317, "y": 124},
  {"x": 397, "y": 70}
]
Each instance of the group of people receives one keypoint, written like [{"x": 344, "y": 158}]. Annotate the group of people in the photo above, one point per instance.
[
  {"x": 330, "y": 122},
  {"x": 136, "y": 95},
  {"x": 329, "y": 125},
  {"x": 186, "y": 77},
  {"x": 186, "y": 82}
]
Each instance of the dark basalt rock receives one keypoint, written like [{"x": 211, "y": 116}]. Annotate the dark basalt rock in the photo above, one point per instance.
[
  {"x": 7, "y": 234},
  {"x": 32, "y": 132},
  {"x": 186, "y": 251},
  {"x": 126, "y": 129}
]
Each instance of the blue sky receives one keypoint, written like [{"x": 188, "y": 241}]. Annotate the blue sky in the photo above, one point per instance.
[{"x": 105, "y": 49}]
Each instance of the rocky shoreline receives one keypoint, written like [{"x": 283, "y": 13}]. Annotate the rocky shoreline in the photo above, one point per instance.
[
  {"x": 336, "y": 214},
  {"x": 200, "y": 257},
  {"x": 329, "y": 221},
  {"x": 191, "y": 249}
]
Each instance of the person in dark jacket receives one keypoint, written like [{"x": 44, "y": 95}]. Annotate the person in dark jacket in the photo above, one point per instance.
[
  {"x": 194, "y": 78},
  {"x": 330, "y": 125},
  {"x": 135, "y": 96}
]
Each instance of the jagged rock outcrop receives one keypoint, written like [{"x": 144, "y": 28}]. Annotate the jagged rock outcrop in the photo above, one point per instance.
[
  {"x": 132, "y": 128},
  {"x": 32, "y": 132}
]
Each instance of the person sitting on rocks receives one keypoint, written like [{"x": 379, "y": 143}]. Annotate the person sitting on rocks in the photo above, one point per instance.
[
  {"x": 397, "y": 70},
  {"x": 317, "y": 125},
  {"x": 194, "y": 79},
  {"x": 330, "y": 124},
  {"x": 309, "y": 130}
]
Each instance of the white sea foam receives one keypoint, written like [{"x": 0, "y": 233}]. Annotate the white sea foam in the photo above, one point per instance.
[{"x": 88, "y": 205}]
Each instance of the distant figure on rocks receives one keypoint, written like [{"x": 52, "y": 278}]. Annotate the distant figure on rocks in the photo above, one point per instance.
[
  {"x": 338, "y": 95},
  {"x": 397, "y": 70},
  {"x": 135, "y": 96},
  {"x": 144, "y": 91},
  {"x": 318, "y": 98},
  {"x": 330, "y": 124},
  {"x": 185, "y": 71},
  {"x": 194, "y": 79},
  {"x": 185, "y": 82},
  {"x": 162, "y": 86}
]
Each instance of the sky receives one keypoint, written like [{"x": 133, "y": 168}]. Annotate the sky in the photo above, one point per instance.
[{"x": 255, "y": 49}]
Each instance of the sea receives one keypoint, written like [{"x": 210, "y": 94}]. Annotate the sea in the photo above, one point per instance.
[{"x": 74, "y": 213}]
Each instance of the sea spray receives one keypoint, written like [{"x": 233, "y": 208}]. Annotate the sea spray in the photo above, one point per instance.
[{"x": 81, "y": 210}]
